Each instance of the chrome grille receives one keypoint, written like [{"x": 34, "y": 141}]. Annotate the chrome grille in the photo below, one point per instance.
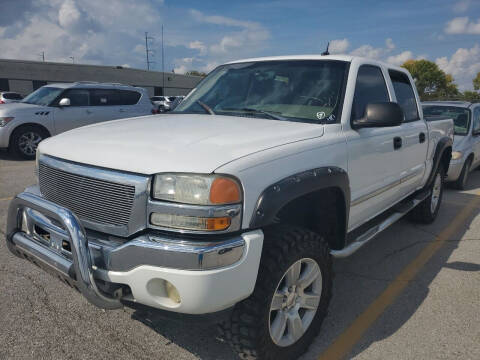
[{"x": 95, "y": 200}]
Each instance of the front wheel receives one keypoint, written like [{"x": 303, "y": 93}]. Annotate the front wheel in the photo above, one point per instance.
[
  {"x": 25, "y": 140},
  {"x": 286, "y": 310},
  {"x": 426, "y": 212}
]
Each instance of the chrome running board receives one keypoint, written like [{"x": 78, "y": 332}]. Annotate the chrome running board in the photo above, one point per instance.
[{"x": 401, "y": 210}]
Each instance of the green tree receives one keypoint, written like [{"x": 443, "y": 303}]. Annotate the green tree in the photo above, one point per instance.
[
  {"x": 431, "y": 81},
  {"x": 476, "y": 82},
  {"x": 196, "y": 73},
  {"x": 471, "y": 96}
]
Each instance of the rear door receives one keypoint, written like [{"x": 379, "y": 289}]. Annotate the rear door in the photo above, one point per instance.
[
  {"x": 414, "y": 130},
  {"x": 107, "y": 104},
  {"x": 79, "y": 113},
  {"x": 374, "y": 162}
]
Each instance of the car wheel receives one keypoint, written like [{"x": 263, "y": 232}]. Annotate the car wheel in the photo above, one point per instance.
[
  {"x": 426, "y": 212},
  {"x": 461, "y": 182},
  {"x": 25, "y": 140},
  {"x": 290, "y": 300}
]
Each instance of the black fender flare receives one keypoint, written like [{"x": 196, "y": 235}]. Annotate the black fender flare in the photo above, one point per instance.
[
  {"x": 442, "y": 145},
  {"x": 279, "y": 194}
]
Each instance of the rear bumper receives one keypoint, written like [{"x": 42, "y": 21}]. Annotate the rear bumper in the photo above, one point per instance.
[{"x": 205, "y": 277}]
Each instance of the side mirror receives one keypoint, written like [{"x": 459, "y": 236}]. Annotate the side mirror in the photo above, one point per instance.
[
  {"x": 64, "y": 102},
  {"x": 382, "y": 114}
]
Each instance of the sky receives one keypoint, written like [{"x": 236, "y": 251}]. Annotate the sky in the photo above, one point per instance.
[{"x": 199, "y": 35}]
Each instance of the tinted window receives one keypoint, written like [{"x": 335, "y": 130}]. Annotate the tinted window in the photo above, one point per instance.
[
  {"x": 460, "y": 116},
  {"x": 476, "y": 119},
  {"x": 370, "y": 88},
  {"x": 12, "y": 96},
  {"x": 78, "y": 97},
  {"x": 128, "y": 97},
  {"x": 105, "y": 97},
  {"x": 405, "y": 95}
]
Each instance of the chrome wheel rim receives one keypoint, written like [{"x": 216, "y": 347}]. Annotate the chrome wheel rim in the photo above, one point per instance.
[
  {"x": 437, "y": 188},
  {"x": 295, "y": 302},
  {"x": 28, "y": 143}
]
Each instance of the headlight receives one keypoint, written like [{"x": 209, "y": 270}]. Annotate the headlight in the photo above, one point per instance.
[
  {"x": 197, "y": 203},
  {"x": 5, "y": 120},
  {"x": 456, "y": 155},
  {"x": 197, "y": 189}
]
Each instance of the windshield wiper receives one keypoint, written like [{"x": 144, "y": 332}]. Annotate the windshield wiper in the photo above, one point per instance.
[
  {"x": 207, "y": 108},
  {"x": 268, "y": 113}
]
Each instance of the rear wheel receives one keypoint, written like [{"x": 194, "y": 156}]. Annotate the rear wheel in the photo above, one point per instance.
[
  {"x": 286, "y": 310},
  {"x": 461, "y": 182},
  {"x": 25, "y": 140},
  {"x": 426, "y": 212}
]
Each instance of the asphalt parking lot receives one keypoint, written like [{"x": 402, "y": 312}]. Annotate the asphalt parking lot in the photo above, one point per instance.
[{"x": 412, "y": 293}]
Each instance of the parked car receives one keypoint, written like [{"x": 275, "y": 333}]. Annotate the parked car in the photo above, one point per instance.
[
  {"x": 234, "y": 204},
  {"x": 466, "y": 144},
  {"x": 55, "y": 108},
  {"x": 162, "y": 102},
  {"x": 9, "y": 97}
]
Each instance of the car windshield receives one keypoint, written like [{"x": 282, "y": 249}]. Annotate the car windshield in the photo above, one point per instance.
[
  {"x": 302, "y": 90},
  {"x": 460, "y": 116},
  {"x": 43, "y": 96}
]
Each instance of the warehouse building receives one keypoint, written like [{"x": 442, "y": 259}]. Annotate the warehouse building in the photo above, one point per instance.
[{"x": 26, "y": 76}]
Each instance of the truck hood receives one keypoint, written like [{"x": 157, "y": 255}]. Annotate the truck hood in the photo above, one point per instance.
[
  {"x": 174, "y": 142},
  {"x": 19, "y": 108}
]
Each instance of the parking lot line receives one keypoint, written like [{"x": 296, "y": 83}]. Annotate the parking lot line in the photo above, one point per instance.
[
  {"x": 6, "y": 199},
  {"x": 344, "y": 343}
]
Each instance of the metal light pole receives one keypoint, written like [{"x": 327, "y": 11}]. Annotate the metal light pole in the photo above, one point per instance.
[
  {"x": 73, "y": 59},
  {"x": 163, "y": 66}
]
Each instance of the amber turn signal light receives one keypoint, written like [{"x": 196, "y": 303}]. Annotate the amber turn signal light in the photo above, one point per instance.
[{"x": 224, "y": 191}]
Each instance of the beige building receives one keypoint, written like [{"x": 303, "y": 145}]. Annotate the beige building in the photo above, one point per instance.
[{"x": 26, "y": 76}]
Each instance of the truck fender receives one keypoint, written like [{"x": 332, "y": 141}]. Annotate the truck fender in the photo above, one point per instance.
[
  {"x": 279, "y": 194},
  {"x": 443, "y": 145}
]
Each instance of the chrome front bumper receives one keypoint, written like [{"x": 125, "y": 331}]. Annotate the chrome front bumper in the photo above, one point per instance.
[{"x": 54, "y": 238}]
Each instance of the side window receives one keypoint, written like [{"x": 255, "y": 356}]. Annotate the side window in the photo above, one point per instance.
[
  {"x": 476, "y": 120},
  {"x": 405, "y": 95},
  {"x": 128, "y": 97},
  {"x": 78, "y": 97},
  {"x": 370, "y": 88},
  {"x": 105, "y": 97}
]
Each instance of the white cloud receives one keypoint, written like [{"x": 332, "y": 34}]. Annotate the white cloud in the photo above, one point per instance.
[
  {"x": 462, "y": 6},
  {"x": 463, "y": 65},
  {"x": 339, "y": 46},
  {"x": 371, "y": 52},
  {"x": 198, "y": 45},
  {"x": 463, "y": 25},
  {"x": 68, "y": 15},
  {"x": 400, "y": 58}
]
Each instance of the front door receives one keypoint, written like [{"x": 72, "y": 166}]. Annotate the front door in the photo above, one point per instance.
[{"x": 79, "y": 113}]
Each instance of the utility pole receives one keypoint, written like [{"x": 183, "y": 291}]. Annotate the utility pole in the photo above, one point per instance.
[
  {"x": 73, "y": 59},
  {"x": 42, "y": 54},
  {"x": 163, "y": 65},
  {"x": 147, "y": 50}
]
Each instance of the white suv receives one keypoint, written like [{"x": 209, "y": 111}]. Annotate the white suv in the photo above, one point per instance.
[{"x": 56, "y": 108}]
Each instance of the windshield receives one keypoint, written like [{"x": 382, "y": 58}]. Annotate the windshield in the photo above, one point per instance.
[
  {"x": 460, "y": 116},
  {"x": 43, "y": 96},
  {"x": 303, "y": 90}
]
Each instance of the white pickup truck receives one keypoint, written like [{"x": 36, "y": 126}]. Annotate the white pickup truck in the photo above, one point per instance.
[{"x": 236, "y": 203}]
